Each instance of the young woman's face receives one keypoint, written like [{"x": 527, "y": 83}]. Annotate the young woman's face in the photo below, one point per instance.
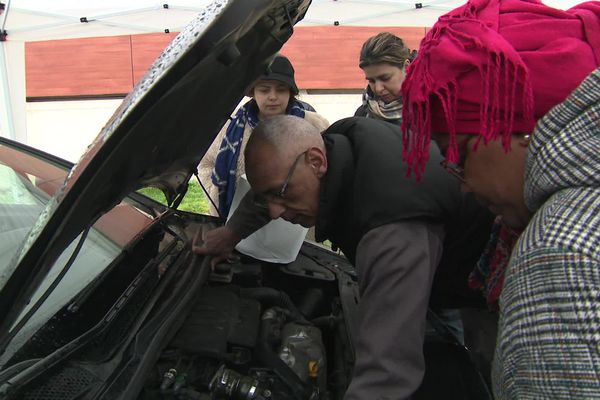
[
  {"x": 272, "y": 98},
  {"x": 385, "y": 80}
]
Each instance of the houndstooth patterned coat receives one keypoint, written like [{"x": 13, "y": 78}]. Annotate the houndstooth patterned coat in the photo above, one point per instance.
[{"x": 549, "y": 331}]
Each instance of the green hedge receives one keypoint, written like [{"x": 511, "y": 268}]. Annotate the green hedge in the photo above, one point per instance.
[{"x": 194, "y": 201}]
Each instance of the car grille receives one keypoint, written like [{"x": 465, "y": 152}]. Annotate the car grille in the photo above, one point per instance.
[{"x": 66, "y": 384}]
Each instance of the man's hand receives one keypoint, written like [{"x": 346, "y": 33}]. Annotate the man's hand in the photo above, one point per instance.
[{"x": 218, "y": 243}]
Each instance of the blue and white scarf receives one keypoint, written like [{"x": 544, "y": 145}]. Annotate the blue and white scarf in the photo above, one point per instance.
[{"x": 224, "y": 175}]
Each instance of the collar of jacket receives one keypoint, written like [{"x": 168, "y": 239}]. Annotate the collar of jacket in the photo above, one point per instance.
[{"x": 335, "y": 185}]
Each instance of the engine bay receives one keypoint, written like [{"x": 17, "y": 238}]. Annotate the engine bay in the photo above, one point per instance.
[{"x": 261, "y": 331}]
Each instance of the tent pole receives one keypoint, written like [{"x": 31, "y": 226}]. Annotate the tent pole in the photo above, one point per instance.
[
  {"x": 6, "y": 8},
  {"x": 8, "y": 112},
  {"x": 6, "y": 94}
]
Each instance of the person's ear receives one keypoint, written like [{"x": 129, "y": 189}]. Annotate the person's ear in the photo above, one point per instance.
[{"x": 317, "y": 160}]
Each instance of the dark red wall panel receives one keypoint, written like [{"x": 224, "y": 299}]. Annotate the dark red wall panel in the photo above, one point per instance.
[
  {"x": 325, "y": 57},
  {"x": 75, "y": 67},
  {"x": 145, "y": 49}
]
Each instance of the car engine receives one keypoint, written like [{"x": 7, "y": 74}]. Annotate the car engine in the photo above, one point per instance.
[{"x": 259, "y": 331}]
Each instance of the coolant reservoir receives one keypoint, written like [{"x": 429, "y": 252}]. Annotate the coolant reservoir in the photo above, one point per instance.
[{"x": 303, "y": 351}]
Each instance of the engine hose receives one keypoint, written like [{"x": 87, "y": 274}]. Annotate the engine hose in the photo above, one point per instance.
[
  {"x": 309, "y": 304},
  {"x": 274, "y": 297},
  {"x": 326, "y": 321}
]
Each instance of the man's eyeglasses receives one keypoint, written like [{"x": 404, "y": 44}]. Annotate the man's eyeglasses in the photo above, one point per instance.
[
  {"x": 454, "y": 169},
  {"x": 457, "y": 169},
  {"x": 262, "y": 200}
]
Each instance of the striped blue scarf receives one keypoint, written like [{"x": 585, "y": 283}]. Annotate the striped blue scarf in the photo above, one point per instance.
[{"x": 224, "y": 175}]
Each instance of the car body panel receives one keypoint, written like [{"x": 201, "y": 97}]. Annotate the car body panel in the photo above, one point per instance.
[{"x": 154, "y": 138}]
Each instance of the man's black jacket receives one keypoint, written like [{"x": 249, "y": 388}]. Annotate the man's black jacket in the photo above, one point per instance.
[{"x": 366, "y": 186}]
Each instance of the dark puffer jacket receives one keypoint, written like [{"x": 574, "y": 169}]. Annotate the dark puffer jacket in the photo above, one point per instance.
[{"x": 352, "y": 202}]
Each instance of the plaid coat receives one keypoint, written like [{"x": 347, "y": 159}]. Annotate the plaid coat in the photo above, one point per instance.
[{"x": 549, "y": 330}]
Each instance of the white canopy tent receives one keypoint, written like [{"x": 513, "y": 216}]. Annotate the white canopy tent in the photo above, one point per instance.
[{"x": 36, "y": 20}]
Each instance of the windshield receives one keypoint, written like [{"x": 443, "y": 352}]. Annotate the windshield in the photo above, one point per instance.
[
  {"x": 19, "y": 209},
  {"x": 27, "y": 184}
]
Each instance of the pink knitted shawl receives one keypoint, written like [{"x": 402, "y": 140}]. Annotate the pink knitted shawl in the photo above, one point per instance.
[{"x": 492, "y": 68}]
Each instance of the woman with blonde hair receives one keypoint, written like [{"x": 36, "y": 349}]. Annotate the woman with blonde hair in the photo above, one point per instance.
[{"x": 383, "y": 59}]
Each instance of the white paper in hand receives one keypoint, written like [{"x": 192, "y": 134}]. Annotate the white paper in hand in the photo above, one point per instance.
[{"x": 279, "y": 241}]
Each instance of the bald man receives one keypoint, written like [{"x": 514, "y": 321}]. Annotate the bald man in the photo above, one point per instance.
[{"x": 350, "y": 183}]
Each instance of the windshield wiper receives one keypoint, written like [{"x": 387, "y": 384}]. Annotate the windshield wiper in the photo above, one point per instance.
[
  {"x": 16, "y": 328},
  {"x": 30, "y": 369}
]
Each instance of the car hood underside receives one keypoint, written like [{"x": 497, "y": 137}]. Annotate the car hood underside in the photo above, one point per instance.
[{"x": 160, "y": 132}]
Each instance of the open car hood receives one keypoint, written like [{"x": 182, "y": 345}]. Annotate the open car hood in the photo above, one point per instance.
[{"x": 160, "y": 132}]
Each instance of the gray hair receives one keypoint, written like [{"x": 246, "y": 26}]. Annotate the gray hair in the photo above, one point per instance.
[{"x": 287, "y": 134}]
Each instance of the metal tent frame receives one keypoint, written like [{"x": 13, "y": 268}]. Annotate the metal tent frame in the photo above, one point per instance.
[{"x": 35, "y": 20}]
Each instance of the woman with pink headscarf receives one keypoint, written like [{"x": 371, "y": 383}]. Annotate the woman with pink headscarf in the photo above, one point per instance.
[{"x": 486, "y": 74}]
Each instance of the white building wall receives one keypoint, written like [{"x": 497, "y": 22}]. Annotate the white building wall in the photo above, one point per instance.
[
  {"x": 66, "y": 128},
  {"x": 333, "y": 106}
]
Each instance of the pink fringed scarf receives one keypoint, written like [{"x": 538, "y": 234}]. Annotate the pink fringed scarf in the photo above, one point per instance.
[{"x": 492, "y": 68}]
